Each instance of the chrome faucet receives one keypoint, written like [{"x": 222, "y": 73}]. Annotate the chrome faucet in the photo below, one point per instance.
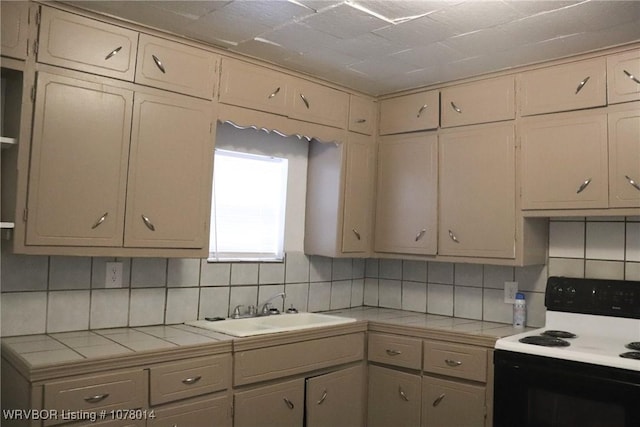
[{"x": 265, "y": 305}]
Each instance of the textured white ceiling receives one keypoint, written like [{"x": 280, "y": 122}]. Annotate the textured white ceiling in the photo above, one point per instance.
[{"x": 384, "y": 46}]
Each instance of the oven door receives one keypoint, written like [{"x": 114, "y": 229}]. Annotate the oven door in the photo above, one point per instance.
[{"x": 548, "y": 392}]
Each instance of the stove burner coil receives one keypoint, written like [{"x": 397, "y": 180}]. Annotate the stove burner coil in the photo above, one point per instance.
[
  {"x": 559, "y": 334},
  {"x": 545, "y": 341},
  {"x": 634, "y": 345},
  {"x": 631, "y": 355}
]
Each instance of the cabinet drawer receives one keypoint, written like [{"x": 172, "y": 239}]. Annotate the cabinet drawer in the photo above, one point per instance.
[
  {"x": 177, "y": 67},
  {"x": 452, "y": 404},
  {"x": 190, "y": 378},
  {"x": 454, "y": 360},
  {"x": 72, "y": 41},
  {"x": 485, "y": 101},
  {"x": 319, "y": 104},
  {"x": 564, "y": 87},
  {"x": 623, "y": 77},
  {"x": 203, "y": 412},
  {"x": 122, "y": 390},
  {"x": 419, "y": 111},
  {"x": 362, "y": 115},
  {"x": 395, "y": 350}
]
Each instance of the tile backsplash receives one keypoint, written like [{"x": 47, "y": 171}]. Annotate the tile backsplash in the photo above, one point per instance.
[{"x": 54, "y": 294}]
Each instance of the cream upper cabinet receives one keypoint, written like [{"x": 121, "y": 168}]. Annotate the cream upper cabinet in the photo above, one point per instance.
[
  {"x": 336, "y": 399},
  {"x": 484, "y": 101},
  {"x": 394, "y": 398},
  {"x": 252, "y": 86},
  {"x": 623, "y": 77},
  {"x": 407, "y": 194},
  {"x": 449, "y": 403},
  {"x": 362, "y": 115},
  {"x": 477, "y": 191},
  {"x": 564, "y": 161},
  {"x": 572, "y": 86},
  {"x": 176, "y": 67},
  {"x": 14, "y": 31},
  {"x": 624, "y": 157},
  {"x": 409, "y": 113},
  {"x": 315, "y": 103},
  {"x": 73, "y": 41}
]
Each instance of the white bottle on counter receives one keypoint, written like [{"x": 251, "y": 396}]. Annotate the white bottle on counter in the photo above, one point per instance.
[{"x": 519, "y": 311}]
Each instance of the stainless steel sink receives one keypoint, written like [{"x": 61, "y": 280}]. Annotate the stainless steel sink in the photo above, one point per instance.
[{"x": 270, "y": 324}]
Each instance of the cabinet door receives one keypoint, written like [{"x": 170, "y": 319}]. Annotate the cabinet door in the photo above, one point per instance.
[
  {"x": 279, "y": 405},
  {"x": 564, "y": 162},
  {"x": 624, "y": 157},
  {"x": 169, "y": 187},
  {"x": 208, "y": 412},
  {"x": 79, "y": 160},
  {"x": 409, "y": 113},
  {"x": 254, "y": 87},
  {"x": 407, "y": 194},
  {"x": 319, "y": 104},
  {"x": 623, "y": 77},
  {"x": 394, "y": 398},
  {"x": 336, "y": 399},
  {"x": 362, "y": 115},
  {"x": 477, "y": 192},
  {"x": 358, "y": 200},
  {"x": 72, "y": 41},
  {"x": 479, "y": 102},
  {"x": 566, "y": 87},
  {"x": 14, "y": 31},
  {"x": 451, "y": 404}
]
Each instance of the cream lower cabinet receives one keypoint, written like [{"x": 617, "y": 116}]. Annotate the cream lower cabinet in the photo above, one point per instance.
[
  {"x": 447, "y": 403},
  {"x": 210, "y": 411},
  {"x": 477, "y": 191},
  {"x": 407, "y": 194},
  {"x": 279, "y": 405},
  {"x": 336, "y": 399},
  {"x": 394, "y": 398}
]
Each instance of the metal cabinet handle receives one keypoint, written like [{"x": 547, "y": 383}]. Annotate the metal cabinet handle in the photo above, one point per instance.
[
  {"x": 148, "y": 223},
  {"x": 424, "y": 107},
  {"x": 274, "y": 93},
  {"x": 192, "y": 380},
  {"x": 393, "y": 352},
  {"x": 158, "y": 64},
  {"x": 361, "y": 121},
  {"x": 583, "y": 186},
  {"x": 451, "y": 362},
  {"x": 420, "y": 234},
  {"x": 581, "y": 84},
  {"x": 306, "y": 103},
  {"x": 438, "y": 400},
  {"x": 455, "y": 108},
  {"x": 356, "y": 233},
  {"x": 324, "y": 396},
  {"x": 100, "y": 220},
  {"x": 112, "y": 53},
  {"x": 633, "y": 183},
  {"x": 402, "y": 394},
  {"x": 289, "y": 403},
  {"x": 631, "y": 76},
  {"x": 97, "y": 398},
  {"x": 453, "y": 237}
]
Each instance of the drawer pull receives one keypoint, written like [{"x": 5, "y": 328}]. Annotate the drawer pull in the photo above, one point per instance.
[
  {"x": 451, "y": 362},
  {"x": 274, "y": 93},
  {"x": 453, "y": 237},
  {"x": 455, "y": 108},
  {"x": 420, "y": 234},
  {"x": 192, "y": 380},
  {"x": 402, "y": 394},
  {"x": 158, "y": 64},
  {"x": 306, "y": 103},
  {"x": 583, "y": 186},
  {"x": 631, "y": 76},
  {"x": 148, "y": 223},
  {"x": 438, "y": 400},
  {"x": 633, "y": 183},
  {"x": 97, "y": 398},
  {"x": 393, "y": 352},
  {"x": 356, "y": 233},
  {"x": 289, "y": 403},
  {"x": 360, "y": 121},
  {"x": 101, "y": 220},
  {"x": 421, "y": 110},
  {"x": 112, "y": 53},
  {"x": 324, "y": 396},
  {"x": 581, "y": 84}
]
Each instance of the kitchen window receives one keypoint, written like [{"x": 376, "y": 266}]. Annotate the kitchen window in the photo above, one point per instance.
[{"x": 248, "y": 207}]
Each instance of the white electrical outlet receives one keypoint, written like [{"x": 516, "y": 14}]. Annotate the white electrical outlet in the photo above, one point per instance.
[
  {"x": 510, "y": 291},
  {"x": 113, "y": 277}
]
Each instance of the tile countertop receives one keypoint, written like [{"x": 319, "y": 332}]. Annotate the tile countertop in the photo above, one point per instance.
[{"x": 34, "y": 353}]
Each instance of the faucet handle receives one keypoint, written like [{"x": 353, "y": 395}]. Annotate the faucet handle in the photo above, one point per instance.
[
  {"x": 266, "y": 308},
  {"x": 236, "y": 312}
]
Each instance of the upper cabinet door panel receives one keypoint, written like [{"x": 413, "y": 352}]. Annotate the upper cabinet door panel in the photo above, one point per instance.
[
  {"x": 14, "y": 31},
  {"x": 176, "y": 67},
  {"x": 409, "y": 113},
  {"x": 566, "y": 87},
  {"x": 623, "y": 77},
  {"x": 72, "y": 41},
  {"x": 362, "y": 115},
  {"x": 254, "y": 87},
  {"x": 319, "y": 104},
  {"x": 624, "y": 157},
  {"x": 479, "y": 102}
]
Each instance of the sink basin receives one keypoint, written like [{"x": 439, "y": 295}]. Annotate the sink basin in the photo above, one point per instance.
[{"x": 270, "y": 324}]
